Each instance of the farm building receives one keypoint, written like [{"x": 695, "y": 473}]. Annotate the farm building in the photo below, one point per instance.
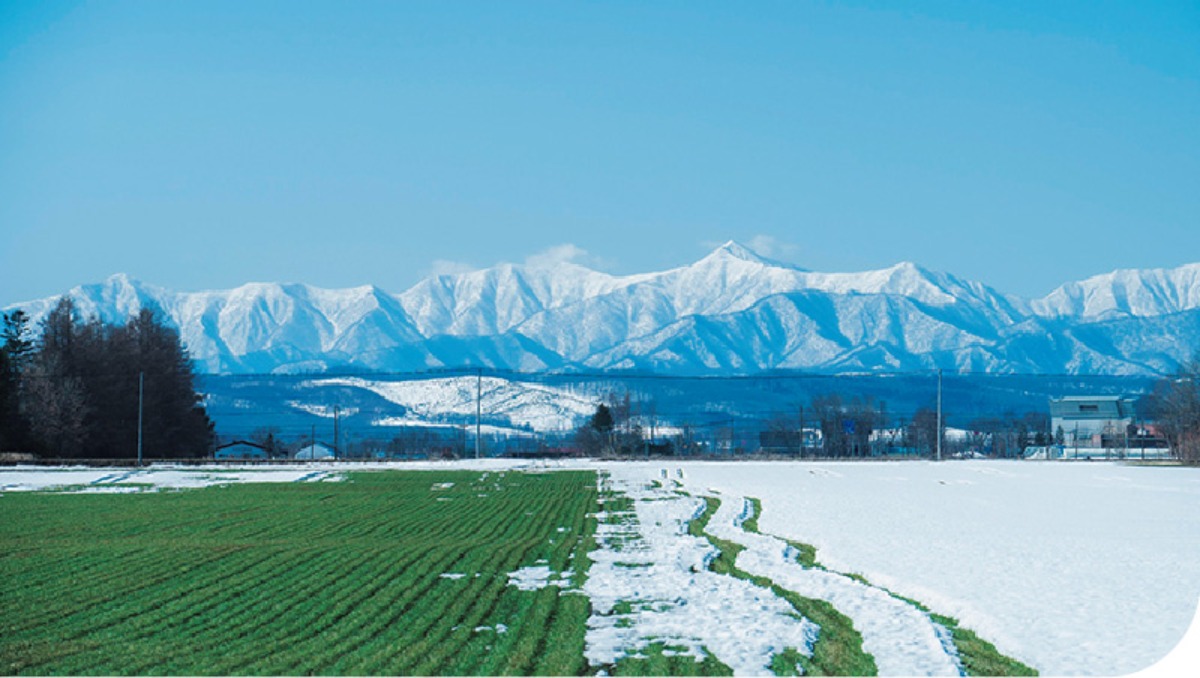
[
  {"x": 315, "y": 451},
  {"x": 241, "y": 449},
  {"x": 1091, "y": 421}
]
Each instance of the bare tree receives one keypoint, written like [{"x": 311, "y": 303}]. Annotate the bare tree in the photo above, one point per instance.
[
  {"x": 56, "y": 408},
  {"x": 922, "y": 432},
  {"x": 1177, "y": 403}
]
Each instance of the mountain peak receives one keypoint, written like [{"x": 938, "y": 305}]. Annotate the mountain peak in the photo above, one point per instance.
[
  {"x": 908, "y": 270},
  {"x": 736, "y": 250},
  {"x": 733, "y": 251},
  {"x": 908, "y": 266}
]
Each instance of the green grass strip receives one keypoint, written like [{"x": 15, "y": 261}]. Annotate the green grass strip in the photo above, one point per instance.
[
  {"x": 660, "y": 659},
  {"x": 838, "y": 650},
  {"x": 979, "y": 657}
]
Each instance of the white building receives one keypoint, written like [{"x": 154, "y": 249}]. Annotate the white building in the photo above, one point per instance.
[
  {"x": 1091, "y": 421},
  {"x": 315, "y": 451}
]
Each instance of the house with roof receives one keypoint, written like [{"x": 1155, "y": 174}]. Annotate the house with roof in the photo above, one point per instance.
[{"x": 241, "y": 449}]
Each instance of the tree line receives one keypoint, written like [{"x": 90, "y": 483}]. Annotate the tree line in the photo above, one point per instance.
[
  {"x": 834, "y": 426},
  {"x": 74, "y": 392}
]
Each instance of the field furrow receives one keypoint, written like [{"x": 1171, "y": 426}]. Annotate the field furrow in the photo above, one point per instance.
[{"x": 389, "y": 572}]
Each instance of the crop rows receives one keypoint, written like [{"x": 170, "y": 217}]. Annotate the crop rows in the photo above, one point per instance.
[{"x": 328, "y": 578}]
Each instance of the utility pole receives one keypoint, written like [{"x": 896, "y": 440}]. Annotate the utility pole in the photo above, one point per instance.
[
  {"x": 1125, "y": 444},
  {"x": 312, "y": 443},
  {"x": 645, "y": 440},
  {"x": 653, "y": 419},
  {"x": 939, "y": 416},
  {"x": 478, "y": 407},
  {"x": 141, "y": 391},
  {"x": 335, "y": 432},
  {"x": 801, "y": 449}
]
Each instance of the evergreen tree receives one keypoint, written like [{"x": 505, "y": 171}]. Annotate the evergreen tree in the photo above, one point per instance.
[
  {"x": 17, "y": 346},
  {"x": 14, "y": 360},
  {"x": 84, "y": 381},
  {"x": 602, "y": 420},
  {"x": 174, "y": 421}
]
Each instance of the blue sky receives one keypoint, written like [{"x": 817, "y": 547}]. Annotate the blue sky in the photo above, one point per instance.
[{"x": 203, "y": 145}]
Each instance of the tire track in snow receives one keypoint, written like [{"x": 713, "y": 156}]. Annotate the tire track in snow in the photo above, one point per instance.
[{"x": 903, "y": 639}]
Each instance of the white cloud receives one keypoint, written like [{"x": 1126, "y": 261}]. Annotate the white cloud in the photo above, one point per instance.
[
  {"x": 567, "y": 253},
  {"x": 447, "y": 267},
  {"x": 772, "y": 247}
]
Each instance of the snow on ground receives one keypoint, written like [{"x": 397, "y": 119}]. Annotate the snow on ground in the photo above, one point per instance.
[
  {"x": 649, "y": 583},
  {"x": 903, "y": 639},
  {"x": 537, "y": 577},
  {"x": 157, "y": 477},
  {"x": 26, "y": 478},
  {"x": 484, "y": 429},
  {"x": 323, "y": 411},
  {"x": 1073, "y": 568}
]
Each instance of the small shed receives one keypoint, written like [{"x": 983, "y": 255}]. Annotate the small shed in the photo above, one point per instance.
[{"x": 241, "y": 449}]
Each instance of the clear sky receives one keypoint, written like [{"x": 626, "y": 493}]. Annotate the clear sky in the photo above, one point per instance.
[{"x": 207, "y": 144}]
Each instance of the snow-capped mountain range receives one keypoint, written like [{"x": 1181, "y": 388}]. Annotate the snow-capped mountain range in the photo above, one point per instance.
[{"x": 731, "y": 312}]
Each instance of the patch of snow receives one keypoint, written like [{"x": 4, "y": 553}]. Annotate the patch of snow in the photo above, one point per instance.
[
  {"x": 536, "y": 577},
  {"x": 156, "y": 477},
  {"x": 323, "y": 411},
  {"x": 650, "y": 565}
]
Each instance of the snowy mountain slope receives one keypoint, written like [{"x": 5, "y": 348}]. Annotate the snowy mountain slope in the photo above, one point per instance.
[
  {"x": 257, "y": 327},
  {"x": 495, "y": 300},
  {"x": 731, "y": 311},
  {"x": 537, "y": 407},
  {"x": 807, "y": 330},
  {"x": 1126, "y": 292}
]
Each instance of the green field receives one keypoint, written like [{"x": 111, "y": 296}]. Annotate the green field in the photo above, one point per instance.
[
  {"x": 308, "y": 578},
  {"x": 386, "y": 573}
]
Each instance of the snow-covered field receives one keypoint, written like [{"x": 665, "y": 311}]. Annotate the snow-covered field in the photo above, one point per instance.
[
  {"x": 1084, "y": 568},
  {"x": 1074, "y": 568},
  {"x": 159, "y": 477}
]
